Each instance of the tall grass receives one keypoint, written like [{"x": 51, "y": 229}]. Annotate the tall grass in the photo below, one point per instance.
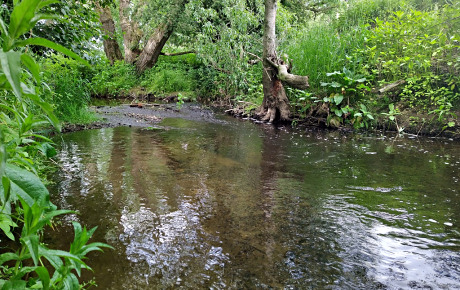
[
  {"x": 324, "y": 44},
  {"x": 69, "y": 89}
]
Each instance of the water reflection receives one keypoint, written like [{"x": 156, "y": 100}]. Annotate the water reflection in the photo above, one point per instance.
[{"x": 234, "y": 205}]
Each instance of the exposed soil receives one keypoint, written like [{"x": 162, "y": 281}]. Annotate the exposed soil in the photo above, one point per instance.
[{"x": 142, "y": 115}]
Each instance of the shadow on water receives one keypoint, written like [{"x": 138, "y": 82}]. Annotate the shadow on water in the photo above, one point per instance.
[{"x": 235, "y": 205}]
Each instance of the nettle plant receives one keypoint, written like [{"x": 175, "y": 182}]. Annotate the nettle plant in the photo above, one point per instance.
[
  {"x": 25, "y": 207},
  {"x": 347, "y": 91}
]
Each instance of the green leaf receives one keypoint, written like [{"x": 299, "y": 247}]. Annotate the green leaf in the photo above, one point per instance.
[
  {"x": 48, "y": 253},
  {"x": 4, "y": 31},
  {"x": 71, "y": 282},
  {"x": 41, "y": 16},
  {"x": 11, "y": 65},
  {"x": 6, "y": 224},
  {"x": 335, "y": 85},
  {"x": 48, "y": 150},
  {"x": 32, "y": 242},
  {"x": 6, "y": 257},
  {"x": 27, "y": 185},
  {"x": 23, "y": 271},
  {"x": 14, "y": 285},
  {"x": 47, "y": 218},
  {"x": 49, "y": 44},
  {"x": 451, "y": 124},
  {"x": 333, "y": 73},
  {"x": 21, "y": 18},
  {"x": 6, "y": 183},
  {"x": 338, "y": 98},
  {"x": 44, "y": 276},
  {"x": 48, "y": 111},
  {"x": 33, "y": 67}
]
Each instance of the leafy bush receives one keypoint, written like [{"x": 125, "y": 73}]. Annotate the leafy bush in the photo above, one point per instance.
[{"x": 421, "y": 48}]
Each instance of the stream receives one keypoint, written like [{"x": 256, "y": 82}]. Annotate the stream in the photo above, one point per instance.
[{"x": 229, "y": 204}]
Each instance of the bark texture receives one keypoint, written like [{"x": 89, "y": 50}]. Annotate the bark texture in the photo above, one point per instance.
[
  {"x": 111, "y": 47},
  {"x": 153, "y": 47},
  {"x": 131, "y": 32},
  {"x": 275, "y": 106}
]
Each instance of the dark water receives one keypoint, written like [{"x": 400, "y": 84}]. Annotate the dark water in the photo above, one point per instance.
[{"x": 235, "y": 205}]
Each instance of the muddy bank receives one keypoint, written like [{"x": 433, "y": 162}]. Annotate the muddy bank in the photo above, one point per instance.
[
  {"x": 142, "y": 115},
  {"x": 149, "y": 115},
  {"x": 408, "y": 121}
]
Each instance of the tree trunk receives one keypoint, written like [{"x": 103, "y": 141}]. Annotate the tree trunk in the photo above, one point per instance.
[
  {"x": 131, "y": 33},
  {"x": 111, "y": 48},
  {"x": 275, "y": 106},
  {"x": 153, "y": 47}
]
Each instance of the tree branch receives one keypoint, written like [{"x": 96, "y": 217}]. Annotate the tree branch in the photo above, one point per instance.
[
  {"x": 294, "y": 81},
  {"x": 177, "y": 53}
]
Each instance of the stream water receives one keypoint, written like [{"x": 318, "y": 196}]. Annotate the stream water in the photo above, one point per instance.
[{"x": 234, "y": 205}]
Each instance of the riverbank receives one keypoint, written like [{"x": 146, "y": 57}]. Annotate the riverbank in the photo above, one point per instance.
[{"x": 150, "y": 114}]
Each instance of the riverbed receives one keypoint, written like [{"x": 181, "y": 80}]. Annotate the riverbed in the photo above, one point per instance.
[{"x": 222, "y": 203}]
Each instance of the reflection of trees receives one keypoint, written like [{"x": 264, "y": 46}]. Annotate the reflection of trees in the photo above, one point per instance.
[{"x": 216, "y": 204}]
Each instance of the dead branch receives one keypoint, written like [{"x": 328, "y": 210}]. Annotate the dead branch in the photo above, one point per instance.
[
  {"x": 177, "y": 53},
  {"x": 294, "y": 81}
]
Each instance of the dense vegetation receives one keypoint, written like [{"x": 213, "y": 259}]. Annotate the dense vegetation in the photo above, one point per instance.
[
  {"x": 350, "y": 50},
  {"x": 371, "y": 63}
]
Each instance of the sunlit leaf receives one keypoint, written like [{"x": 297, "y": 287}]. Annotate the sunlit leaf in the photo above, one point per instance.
[
  {"x": 21, "y": 18},
  {"x": 27, "y": 185}
]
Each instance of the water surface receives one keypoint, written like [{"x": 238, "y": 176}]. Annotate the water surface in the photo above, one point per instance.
[{"x": 235, "y": 205}]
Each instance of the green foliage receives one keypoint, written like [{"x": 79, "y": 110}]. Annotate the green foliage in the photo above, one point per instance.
[
  {"x": 25, "y": 208},
  {"x": 68, "y": 23},
  {"x": 422, "y": 49},
  {"x": 111, "y": 81},
  {"x": 70, "y": 89},
  {"x": 170, "y": 76},
  {"x": 228, "y": 36},
  {"x": 379, "y": 42}
]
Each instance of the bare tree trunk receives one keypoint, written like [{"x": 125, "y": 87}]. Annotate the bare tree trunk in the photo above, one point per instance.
[
  {"x": 153, "y": 47},
  {"x": 275, "y": 105},
  {"x": 131, "y": 33},
  {"x": 111, "y": 47}
]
